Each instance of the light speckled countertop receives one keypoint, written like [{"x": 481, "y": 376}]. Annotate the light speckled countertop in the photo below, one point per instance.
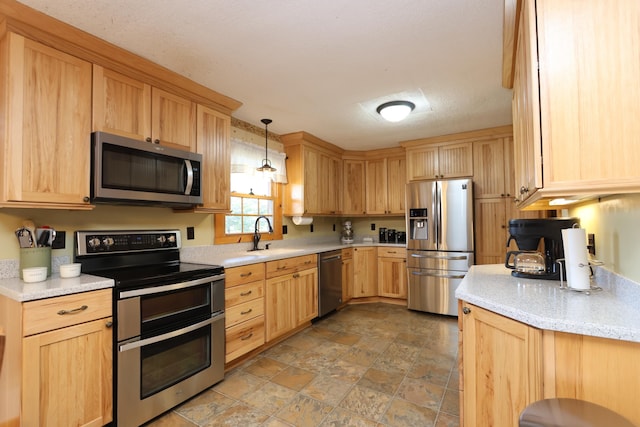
[
  {"x": 54, "y": 286},
  {"x": 235, "y": 258},
  {"x": 613, "y": 312},
  {"x": 225, "y": 255}
]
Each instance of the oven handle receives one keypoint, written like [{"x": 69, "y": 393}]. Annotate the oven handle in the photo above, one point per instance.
[
  {"x": 169, "y": 335},
  {"x": 172, "y": 287}
]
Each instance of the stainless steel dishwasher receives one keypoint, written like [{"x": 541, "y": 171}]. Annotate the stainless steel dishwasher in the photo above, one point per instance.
[{"x": 330, "y": 292}]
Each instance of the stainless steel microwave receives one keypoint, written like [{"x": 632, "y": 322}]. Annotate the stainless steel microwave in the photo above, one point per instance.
[{"x": 127, "y": 171}]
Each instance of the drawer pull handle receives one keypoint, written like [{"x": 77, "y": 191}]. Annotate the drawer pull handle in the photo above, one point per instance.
[
  {"x": 295, "y": 276},
  {"x": 244, "y": 294},
  {"x": 246, "y": 274},
  {"x": 246, "y": 337},
  {"x": 281, "y": 268},
  {"x": 246, "y": 312},
  {"x": 307, "y": 262},
  {"x": 73, "y": 311}
]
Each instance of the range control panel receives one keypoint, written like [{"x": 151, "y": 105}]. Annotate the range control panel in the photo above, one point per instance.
[{"x": 102, "y": 242}]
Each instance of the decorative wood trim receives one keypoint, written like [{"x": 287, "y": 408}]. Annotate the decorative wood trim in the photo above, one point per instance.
[
  {"x": 454, "y": 138},
  {"x": 49, "y": 31},
  {"x": 510, "y": 26},
  {"x": 305, "y": 138}
]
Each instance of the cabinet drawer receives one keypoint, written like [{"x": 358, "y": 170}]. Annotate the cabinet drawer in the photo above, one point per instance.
[
  {"x": 244, "y": 337},
  {"x": 247, "y": 273},
  {"x": 347, "y": 253},
  {"x": 60, "y": 312},
  {"x": 291, "y": 265},
  {"x": 390, "y": 252},
  {"x": 245, "y": 311},
  {"x": 243, "y": 293}
]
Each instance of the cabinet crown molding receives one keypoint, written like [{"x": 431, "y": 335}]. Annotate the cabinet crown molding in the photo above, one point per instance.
[
  {"x": 37, "y": 26},
  {"x": 454, "y": 138}
]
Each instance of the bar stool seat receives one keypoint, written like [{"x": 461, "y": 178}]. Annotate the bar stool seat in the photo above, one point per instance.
[{"x": 564, "y": 412}]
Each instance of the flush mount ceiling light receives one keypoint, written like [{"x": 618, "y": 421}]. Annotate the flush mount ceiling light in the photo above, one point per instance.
[
  {"x": 395, "y": 111},
  {"x": 266, "y": 164}
]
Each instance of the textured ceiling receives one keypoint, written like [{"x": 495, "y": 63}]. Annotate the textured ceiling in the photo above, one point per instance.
[{"x": 321, "y": 66}]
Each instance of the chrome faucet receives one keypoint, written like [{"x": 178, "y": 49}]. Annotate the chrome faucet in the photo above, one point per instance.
[{"x": 256, "y": 235}]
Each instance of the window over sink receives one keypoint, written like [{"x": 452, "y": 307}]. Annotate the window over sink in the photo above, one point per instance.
[{"x": 253, "y": 194}]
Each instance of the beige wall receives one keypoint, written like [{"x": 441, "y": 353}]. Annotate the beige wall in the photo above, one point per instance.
[
  {"x": 323, "y": 227},
  {"x": 107, "y": 217},
  {"x": 615, "y": 221}
]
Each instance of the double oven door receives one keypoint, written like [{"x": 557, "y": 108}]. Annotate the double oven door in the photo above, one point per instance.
[{"x": 170, "y": 346}]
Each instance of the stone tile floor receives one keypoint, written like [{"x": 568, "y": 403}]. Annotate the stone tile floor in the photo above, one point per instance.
[{"x": 366, "y": 365}]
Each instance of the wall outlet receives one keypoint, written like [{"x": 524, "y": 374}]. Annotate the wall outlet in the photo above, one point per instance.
[
  {"x": 285, "y": 230},
  {"x": 591, "y": 244},
  {"x": 373, "y": 227},
  {"x": 191, "y": 233}
]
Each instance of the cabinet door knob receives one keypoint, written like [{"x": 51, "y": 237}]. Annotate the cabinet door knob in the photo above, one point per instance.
[
  {"x": 157, "y": 141},
  {"x": 148, "y": 139},
  {"x": 86, "y": 199},
  {"x": 466, "y": 310},
  {"x": 109, "y": 324}
]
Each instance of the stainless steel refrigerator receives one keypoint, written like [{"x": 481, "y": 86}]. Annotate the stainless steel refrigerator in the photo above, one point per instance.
[{"x": 439, "y": 242}]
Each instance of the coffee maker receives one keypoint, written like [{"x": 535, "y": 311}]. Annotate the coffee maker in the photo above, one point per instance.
[{"x": 527, "y": 234}]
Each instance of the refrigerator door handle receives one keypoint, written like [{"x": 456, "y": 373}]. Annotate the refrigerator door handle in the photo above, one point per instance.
[
  {"x": 444, "y": 276},
  {"x": 446, "y": 257},
  {"x": 437, "y": 209}
]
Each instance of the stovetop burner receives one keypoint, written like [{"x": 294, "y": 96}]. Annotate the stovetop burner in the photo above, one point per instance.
[{"x": 136, "y": 259}]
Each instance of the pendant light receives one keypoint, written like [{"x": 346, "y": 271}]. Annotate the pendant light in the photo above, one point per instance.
[{"x": 266, "y": 164}]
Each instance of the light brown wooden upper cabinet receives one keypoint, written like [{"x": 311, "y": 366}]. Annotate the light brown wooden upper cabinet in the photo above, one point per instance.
[
  {"x": 426, "y": 160},
  {"x": 45, "y": 146},
  {"x": 493, "y": 168},
  {"x": 134, "y": 109},
  {"x": 314, "y": 173},
  {"x": 493, "y": 193},
  {"x": 353, "y": 196},
  {"x": 385, "y": 185},
  {"x": 213, "y": 142},
  {"x": 575, "y": 98}
]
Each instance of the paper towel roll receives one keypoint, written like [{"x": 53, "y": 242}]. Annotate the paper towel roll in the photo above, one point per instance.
[
  {"x": 574, "y": 241},
  {"x": 302, "y": 220}
]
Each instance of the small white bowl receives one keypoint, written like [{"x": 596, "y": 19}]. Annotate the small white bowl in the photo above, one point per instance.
[
  {"x": 70, "y": 270},
  {"x": 34, "y": 274}
]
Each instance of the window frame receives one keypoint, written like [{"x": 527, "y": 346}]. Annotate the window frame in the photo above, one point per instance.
[{"x": 220, "y": 236}]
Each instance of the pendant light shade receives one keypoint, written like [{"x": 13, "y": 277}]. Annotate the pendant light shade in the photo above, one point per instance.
[
  {"x": 395, "y": 111},
  {"x": 266, "y": 164}
]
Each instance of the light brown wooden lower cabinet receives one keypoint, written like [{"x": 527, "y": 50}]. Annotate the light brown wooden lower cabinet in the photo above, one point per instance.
[
  {"x": 347, "y": 275},
  {"x": 501, "y": 368},
  {"x": 392, "y": 272},
  {"x": 365, "y": 272},
  {"x": 599, "y": 370},
  {"x": 507, "y": 365},
  {"x": 58, "y": 368},
  {"x": 290, "y": 299}
]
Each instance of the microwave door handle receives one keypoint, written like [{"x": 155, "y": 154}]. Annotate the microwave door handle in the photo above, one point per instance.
[{"x": 189, "y": 185}]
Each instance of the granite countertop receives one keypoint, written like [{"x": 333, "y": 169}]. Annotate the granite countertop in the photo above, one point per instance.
[
  {"x": 18, "y": 290},
  {"x": 54, "y": 286},
  {"x": 216, "y": 255},
  {"x": 613, "y": 312}
]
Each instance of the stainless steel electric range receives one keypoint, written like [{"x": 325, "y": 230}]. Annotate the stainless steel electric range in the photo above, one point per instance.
[{"x": 168, "y": 342}]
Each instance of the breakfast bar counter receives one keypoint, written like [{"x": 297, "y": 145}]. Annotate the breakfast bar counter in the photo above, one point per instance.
[{"x": 613, "y": 312}]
